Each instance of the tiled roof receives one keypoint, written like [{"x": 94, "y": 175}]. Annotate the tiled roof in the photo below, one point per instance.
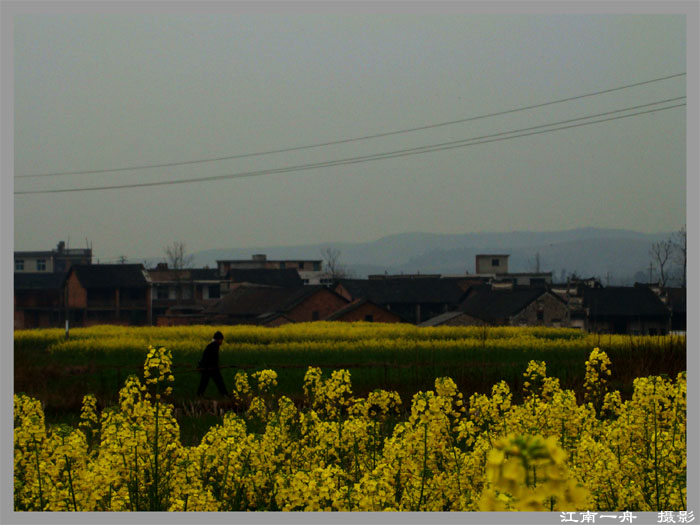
[
  {"x": 194, "y": 274},
  {"x": 288, "y": 277},
  {"x": 39, "y": 281},
  {"x": 440, "y": 319},
  {"x": 412, "y": 291},
  {"x": 204, "y": 274},
  {"x": 111, "y": 275},
  {"x": 259, "y": 300},
  {"x": 623, "y": 302},
  {"x": 493, "y": 305}
]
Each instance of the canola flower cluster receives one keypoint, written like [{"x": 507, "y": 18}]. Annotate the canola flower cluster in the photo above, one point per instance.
[{"x": 338, "y": 452}]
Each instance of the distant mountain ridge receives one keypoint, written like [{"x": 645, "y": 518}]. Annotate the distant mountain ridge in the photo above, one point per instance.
[{"x": 617, "y": 257}]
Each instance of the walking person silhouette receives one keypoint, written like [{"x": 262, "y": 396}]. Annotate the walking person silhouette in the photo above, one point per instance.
[{"x": 209, "y": 367}]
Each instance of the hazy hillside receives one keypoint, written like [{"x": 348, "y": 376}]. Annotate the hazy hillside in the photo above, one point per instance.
[{"x": 616, "y": 256}]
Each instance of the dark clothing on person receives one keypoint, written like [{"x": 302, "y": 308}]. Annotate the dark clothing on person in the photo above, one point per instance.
[
  {"x": 209, "y": 369},
  {"x": 210, "y": 357}
]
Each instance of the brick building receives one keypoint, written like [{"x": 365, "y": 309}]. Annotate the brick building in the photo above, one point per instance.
[
  {"x": 38, "y": 300},
  {"x": 507, "y": 306},
  {"x": 364, "y": 310},
  {"x": 108, "y": 294},
  {"x": 273, "y": 306}
]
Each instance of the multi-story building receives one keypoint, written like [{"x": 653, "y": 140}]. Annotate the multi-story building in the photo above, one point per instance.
[
  {"x": 108, "y": 294},
  {"x": 495, "y": 268},
  {"x": 53, "y": 261},
  {"x": 180, "y": 293},
  {"x": 491, "y": 264}
]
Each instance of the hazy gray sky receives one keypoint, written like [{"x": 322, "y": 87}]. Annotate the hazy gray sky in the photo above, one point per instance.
[{"x": 100, "y": 91}]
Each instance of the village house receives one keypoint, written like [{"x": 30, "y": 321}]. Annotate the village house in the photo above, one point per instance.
[
  {"x": 52, "y": 261},
  {"x": 108, "y": 294},
  {"x": 38, "y": 285},
  {"x": 273, "y": 306},
  {"x": 506, "y": 306},
  {"x": 674, "y": 298},
  {"x": 38, "y": 300},
  {"x": 309, "y": 270},
  {"x": 625, "y": 310},
  {"x": 412, "y": 299},
  {"x": 571, "y": 292},
  {"x": 178, "y": 295},
  {"x": 285, "y": 278},
  {"x": 494, "y": 268},
  {"x": 364, "y": 310}
]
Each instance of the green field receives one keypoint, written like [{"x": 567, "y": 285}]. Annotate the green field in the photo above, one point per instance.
[{"x": 404, "y": 358}]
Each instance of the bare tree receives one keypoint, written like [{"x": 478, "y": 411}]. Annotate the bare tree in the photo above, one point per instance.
[
  {"x": 661, "y": 253},
  {"x": 178, "y": 260},
  {"x": 176, "y": 256},
  {"x": 331, "y": 261},
  {"x": 680, "y": 248}
]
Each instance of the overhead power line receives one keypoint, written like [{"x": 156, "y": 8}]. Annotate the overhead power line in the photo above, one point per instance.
[
  {"x": 484, "y": 139},
  {"x": 355, "y": 139}
]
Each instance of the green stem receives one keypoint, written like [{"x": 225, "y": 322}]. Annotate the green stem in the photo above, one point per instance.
[
  {"x": 228, "y": 461},
  {"x": 38, "y": 471},
  {"x": 454, "y": 454},
  {"x": 70, "y": 483},
  {"x": 136, "y": 474},
  {"x": 155, "y": 504},
  {"x": 656, "y": 451},
  {"x": 425, "y": 464}
]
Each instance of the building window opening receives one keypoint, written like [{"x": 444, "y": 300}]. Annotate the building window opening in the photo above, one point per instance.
[{"x": 19, "y": 265}]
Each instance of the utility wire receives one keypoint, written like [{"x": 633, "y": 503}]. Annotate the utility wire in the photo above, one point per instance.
[
  {"x": 344, "y": 141},
  {"x": 391, "y": 154}
]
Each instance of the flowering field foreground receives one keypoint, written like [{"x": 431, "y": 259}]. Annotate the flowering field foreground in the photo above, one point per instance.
[{"x": 339, "y": 452}]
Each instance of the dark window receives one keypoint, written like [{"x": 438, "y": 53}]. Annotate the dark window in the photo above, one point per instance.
[
  {"x": 19, "y": 264},
  {"x": 540, "y": 315},
  {"x": 283, "y": 265},
  {"x": 315, "y": 315},
  {"x": 41, "y": 265},
  {"x": 214, "y": 291},
  {"x": 369, "y": 318},
  {"x": 162, "y": 292},
  {"x": 301, "y": 265},
  {"x": 317, "y": 267},
  {"x": 495, "y": 262}
]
